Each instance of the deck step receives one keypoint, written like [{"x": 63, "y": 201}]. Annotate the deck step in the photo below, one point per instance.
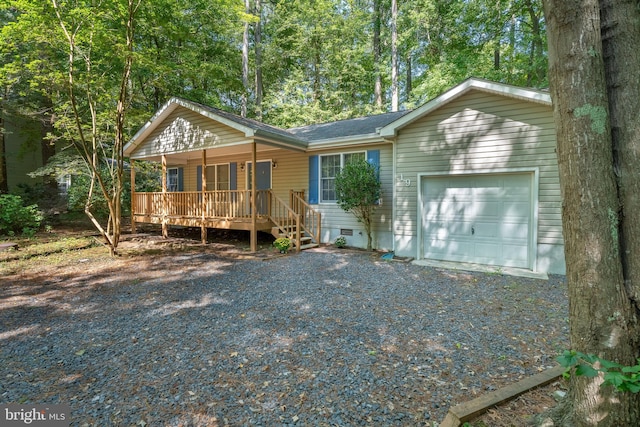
[{"x": 309, "y": 246}]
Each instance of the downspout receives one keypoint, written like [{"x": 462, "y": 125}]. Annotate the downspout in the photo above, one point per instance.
[{"x": 393, "y": 201}]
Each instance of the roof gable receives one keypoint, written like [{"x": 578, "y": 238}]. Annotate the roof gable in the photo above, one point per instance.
[
  {"x": 463, "y": 88},
  {"x": 250, "y": 128}
]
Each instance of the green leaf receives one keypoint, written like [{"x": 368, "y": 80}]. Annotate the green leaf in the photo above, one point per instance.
[
  {"x": 586, "y": 370},
  {"x": 607, "y": 364},
  {"x": 615, "y": 379},
  {"x": 631, "y": 369},
  {"x": 634, "y": 387},
  {"x": 567, "y": 359}
]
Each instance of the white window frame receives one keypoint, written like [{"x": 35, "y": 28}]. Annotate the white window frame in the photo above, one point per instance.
[
  {"x": 322, "y": 179},
  {"x": 214, "y": 185}
]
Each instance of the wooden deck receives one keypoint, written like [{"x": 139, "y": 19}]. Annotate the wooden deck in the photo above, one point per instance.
[{"x": 232, "y": 210}]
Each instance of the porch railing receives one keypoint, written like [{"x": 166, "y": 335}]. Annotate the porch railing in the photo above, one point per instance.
[
  {"x": 294, "y": 219},
  {"x": 285, "y": 219},
  {"x": 310, "y": 219},
  {"x": 229, "y": 204}
]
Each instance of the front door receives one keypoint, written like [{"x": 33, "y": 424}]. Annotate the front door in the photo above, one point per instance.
[{"x": 263, "y": 182}]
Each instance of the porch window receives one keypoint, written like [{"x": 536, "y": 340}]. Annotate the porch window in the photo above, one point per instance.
[
  {"x": 218, "y": 177},
  {"x": 329, "y": 167}
]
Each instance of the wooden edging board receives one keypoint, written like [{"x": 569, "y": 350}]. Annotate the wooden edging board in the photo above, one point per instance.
[{"x": 466, "y": 411}]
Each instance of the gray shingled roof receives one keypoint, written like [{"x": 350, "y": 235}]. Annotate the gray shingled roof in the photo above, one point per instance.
[
  {"x": 345, "y": 128},
  {"x": 340, "y": 129}
]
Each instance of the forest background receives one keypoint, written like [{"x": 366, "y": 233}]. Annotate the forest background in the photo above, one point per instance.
[{"x": 284, "y": 62}]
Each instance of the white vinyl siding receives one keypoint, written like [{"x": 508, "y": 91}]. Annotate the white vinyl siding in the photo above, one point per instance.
[{"x": 479, "y": 132}]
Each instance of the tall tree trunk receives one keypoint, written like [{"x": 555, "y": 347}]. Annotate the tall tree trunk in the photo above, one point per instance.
[
  {"x": 258, "y": 51},
  {"x": 4, "y": 184},
  {"x": 245, "y": 62},
  {"x": 394, "y": 56},
  {"x": 409, "y": 82},
  {"x": 621, "y": 39},
  {"x": 536, "y": 73},
  {"x": 600, "y": 225},
  {"x": 377, "y": 53}
]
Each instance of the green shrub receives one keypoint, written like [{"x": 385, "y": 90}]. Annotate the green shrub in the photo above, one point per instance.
[
  {"x": 17, "y": 218},
  {"x": 340, "y": 242},
  {"x": 282, "y": 244}
]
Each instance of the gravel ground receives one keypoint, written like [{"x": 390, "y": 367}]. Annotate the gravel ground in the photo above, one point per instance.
[{"x": 321, "y": 338}]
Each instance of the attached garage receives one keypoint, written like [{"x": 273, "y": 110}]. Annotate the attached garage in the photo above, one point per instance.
[
  {"x": 479, "y": 218},
  {"x": 477, "y": 179}
]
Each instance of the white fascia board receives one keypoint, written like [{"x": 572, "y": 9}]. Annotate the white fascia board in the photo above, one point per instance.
[
  {"x": 300, "y": 147},
  {"x": 470, "y": 84},
  {"x": 323, "y": 144}
]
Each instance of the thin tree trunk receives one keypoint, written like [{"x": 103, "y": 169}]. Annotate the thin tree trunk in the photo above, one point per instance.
[
  {"x": 394, "y": 56},
  {"x": 4, "y": 185},
  {"x": 536, "y": 73},
  {"x": 602, "y": 311},
  {"x": 258, "y": 52},
  {"x": 377, "y": 53},
  {"x": 409, "y": 82},
  {"x": 245, "y": 62}
]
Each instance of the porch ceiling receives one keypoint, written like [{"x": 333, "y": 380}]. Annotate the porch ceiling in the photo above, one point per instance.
[{"x": 240, "y": 150}]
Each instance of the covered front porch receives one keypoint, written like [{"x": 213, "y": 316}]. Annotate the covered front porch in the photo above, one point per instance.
[
  {"x": 259, "y": 210},
  {"x": 223, "y": 171}
]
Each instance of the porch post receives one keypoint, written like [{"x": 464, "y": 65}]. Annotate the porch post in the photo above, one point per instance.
[
  {"x": 165, "y": 210},
  {"x": 254, "y": 205},
  {"x": 203, "y": 227},
  {"x": 133, "y": 196}
]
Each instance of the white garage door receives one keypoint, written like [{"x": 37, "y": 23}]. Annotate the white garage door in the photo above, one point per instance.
[{"x": 483, "y": 219}]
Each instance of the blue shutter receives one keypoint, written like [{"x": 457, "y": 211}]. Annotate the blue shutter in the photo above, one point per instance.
[
  {"x": 180, "y": 179},
  {"x": 233, "y": 176},
  {"x": 373, "y": 157},
  {"x": 314, "y": 178},
  {"x": 199, "y": 178}
]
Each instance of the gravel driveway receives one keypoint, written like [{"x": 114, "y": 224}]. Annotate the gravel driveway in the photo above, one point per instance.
[{"x": 321, "y": 338}]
